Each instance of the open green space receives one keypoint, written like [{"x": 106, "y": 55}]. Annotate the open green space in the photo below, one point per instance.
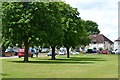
[{"x": 78, "y": 66}]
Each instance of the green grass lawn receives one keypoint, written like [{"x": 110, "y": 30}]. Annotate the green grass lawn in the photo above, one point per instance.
[{"x": 78, "y": 66}]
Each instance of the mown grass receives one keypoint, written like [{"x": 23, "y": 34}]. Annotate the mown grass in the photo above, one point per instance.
[{"x": 78, "y": 66}]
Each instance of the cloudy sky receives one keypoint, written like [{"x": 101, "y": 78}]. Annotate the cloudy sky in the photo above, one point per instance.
[{"x": 104, "y": 12}]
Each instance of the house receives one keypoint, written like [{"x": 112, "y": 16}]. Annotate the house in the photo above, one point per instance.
[
  {"x": 117, "y": 44},
  {"x": 100, "y": 41}
]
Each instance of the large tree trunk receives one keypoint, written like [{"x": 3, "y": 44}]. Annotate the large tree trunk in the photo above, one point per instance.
[
  {"x": 3, "y": 51},
  {"x": 26, "y": 44},
  {"x": 53, "y": 52},
  {"x": 68, "y": 56}
]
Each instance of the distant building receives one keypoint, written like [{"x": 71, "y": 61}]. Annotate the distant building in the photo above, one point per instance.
[
  {"x": 117, "y": 44},
  {"x": 100, "y": 41}
]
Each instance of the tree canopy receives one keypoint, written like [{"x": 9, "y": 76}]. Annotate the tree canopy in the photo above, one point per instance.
[{"x": 91, "y": 27}]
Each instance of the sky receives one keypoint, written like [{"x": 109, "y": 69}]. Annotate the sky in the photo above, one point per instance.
[{"x": 103, "y": 12}]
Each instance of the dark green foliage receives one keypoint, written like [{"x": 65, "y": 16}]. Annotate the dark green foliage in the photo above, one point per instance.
[
  {"x": 91, "y": 27},
  {"x": 89, "y": 51},
  {"x": 31, "y": 24}
]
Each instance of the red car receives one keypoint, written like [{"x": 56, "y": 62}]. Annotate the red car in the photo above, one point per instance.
[
  {"x": 105, "y": 52},
  {"x": 21, "y": 53}
]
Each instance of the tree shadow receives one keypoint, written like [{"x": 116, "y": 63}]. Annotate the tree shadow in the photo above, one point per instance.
[
  {"x": 5, "y": 74},
  {"x": 54, "y": 62},
  {"x": 78, "y": 59},
  {"x": 72, "y": 60},
  {"x": 86, "y": 59}
]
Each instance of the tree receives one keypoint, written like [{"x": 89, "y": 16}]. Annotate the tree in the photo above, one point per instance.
[
  {"x": 29, "y": 23},
  {"x": 74, "y": 32},
  {"x": 18, "y": 24},
  {"x": 53, "y": 29},
  {"x": 91, "y": 27}
]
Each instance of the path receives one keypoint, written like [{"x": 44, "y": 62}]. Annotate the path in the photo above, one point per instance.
[{"x": 10, "y": 57}]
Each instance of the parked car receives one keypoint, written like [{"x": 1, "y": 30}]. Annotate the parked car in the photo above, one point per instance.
[
  {"x": 91, "y": 51},
  {"x": 74, "y": 52},
  {"x": 77, "y": 50},
  {"x": 9, "y": 52},
  {"x": 21, "y": 53},
  {"x": 115, "y": 52},
  {"x": 105, "y": 51},
  {"x": 45, "y": 50},
  {"x": 94, "y": 51},
  {"x": 62, "y": 53},
  {"x": 50, "y": 53}
]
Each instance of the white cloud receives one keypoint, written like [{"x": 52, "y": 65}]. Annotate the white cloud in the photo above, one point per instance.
[{"x": 104, "y": 12}]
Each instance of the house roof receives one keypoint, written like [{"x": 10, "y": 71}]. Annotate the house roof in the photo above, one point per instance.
[
  {"x": 118, "y": 39},
  {"x": 99, "y": 38}
]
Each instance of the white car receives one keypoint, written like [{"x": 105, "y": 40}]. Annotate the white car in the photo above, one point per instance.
[
  {"x": 50, "y": 53},
  {"x": 74, "y": 52},
  {"x": 44, "y": 50},
  {"x": 116, "y": 51},
  {"x": 62, "y": 53}
]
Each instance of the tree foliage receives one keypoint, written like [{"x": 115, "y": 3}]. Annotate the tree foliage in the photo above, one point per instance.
[
  {"x": 49, "y": 23},
  {"x": 74, "y": 32},
  {"x": 91, "y": 27}
]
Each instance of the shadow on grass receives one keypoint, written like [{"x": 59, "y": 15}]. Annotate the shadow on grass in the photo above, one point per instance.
[
  {"x": 86, "y": 59},
  {"x": 72, "y": 60},
  {"x": 77, "y": 59},
  {"x": 55, "y": 62},
  {"x": 5, "y": 74}
]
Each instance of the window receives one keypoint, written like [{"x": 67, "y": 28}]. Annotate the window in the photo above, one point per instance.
[
  {"x": 94, "y": 42},
  {"x": 118, "y": 43}
]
